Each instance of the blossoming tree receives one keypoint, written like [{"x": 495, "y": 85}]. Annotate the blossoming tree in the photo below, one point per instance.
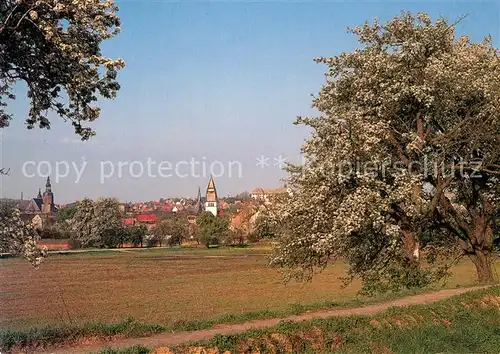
[
  {"x": 93, "y": 219},
  {"x": 16, "y": 237},
  {"x": 52, "y": 47},
  {"x": 403, "y": 160}
]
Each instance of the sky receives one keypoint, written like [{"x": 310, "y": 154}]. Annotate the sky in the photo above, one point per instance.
[{"x": 208, "y": 88}]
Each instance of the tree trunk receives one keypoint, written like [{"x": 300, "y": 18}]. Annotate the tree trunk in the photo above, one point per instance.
[
  {"x": 411, "y": 245},
  {"x": 482, "y": 242},
  {"x": 484, "y": 269}
]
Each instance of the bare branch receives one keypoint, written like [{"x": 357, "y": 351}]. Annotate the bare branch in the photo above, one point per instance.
[{"x": 4, "y": 172}]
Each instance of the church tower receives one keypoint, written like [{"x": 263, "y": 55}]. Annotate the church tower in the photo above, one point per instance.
[
  {"x": 199, "y": 205},
  {"x": 211, "y": 199},
  {"x": 48, "y": 198}
]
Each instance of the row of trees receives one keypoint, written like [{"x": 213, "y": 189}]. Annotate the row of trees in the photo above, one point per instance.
[{"x": 99, "y": 224}]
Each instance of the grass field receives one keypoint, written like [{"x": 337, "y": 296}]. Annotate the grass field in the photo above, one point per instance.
[
  {"x": 467, "y": 323},
  {"x": 161, "y": 286}
]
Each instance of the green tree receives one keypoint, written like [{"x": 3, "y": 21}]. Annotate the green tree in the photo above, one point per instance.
[
  {"x": 135, "y": 235},
  {"x": 53, "y": 47},
  {"x": 211, "y": 229},
  {"x": 65, "y": 213},
  {"x": 172, "y": 230},
  {"x": 404, "y": 157},
  {"x": 235, "y": 237},
  {"x": 112, "y": 238},
  {"x": 231, "y": 209}
]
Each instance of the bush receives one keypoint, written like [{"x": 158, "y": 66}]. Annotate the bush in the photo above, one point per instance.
[
  {"x": 112, "y": 238},
  {"x": 74, "y": 244},
  {"x": 234, "y": 237},
  {"x": 211, "y": 229},
  {"x": 213, "y": 240},
  {"x": 137, "y": 349},
  {"x": 152, "y": 240},
  {"x": 253, "y": 237},
  {"x": 135, "y": 235},
  {"x": 52, "y": 233}
]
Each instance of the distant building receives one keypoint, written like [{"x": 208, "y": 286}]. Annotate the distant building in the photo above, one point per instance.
[
  {"x": 211, "y": 197},
  {"x": 41, "y": 210},
  {"x": 265, "y": 195},
  {"x": 129, "y": 221},
  {"x": 198, "y": 207},
  {"x": 148, "y": 220}
]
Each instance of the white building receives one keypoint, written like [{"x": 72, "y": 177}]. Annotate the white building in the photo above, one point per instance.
[{"x": 211, "y": 197}]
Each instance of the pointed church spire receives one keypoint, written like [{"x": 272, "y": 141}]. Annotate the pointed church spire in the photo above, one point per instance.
[
  {"x": 211, "y": 198},
  {"x": 211, "y": 191},
  {"x": 39, "y": 196},
  {"x": 198, "y": 197},
  {"x": 211, "y": 183},
  {"x": 198, "y": 207}
]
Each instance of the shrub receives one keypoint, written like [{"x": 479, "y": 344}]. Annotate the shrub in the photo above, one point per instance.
[
  {"x": 152, "y": 240},
  {"x": 74, "y": 244},
  {"x": 52, "y": 233},
  {"x": 253, "y": 237},
  {"x": 113, "y": 238},
  {"x": 135, "y": 235}
]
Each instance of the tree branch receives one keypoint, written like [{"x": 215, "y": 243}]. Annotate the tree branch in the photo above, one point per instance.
[
  {"x": 4, "y": 172},
  {"x": 397, "y": 146}
]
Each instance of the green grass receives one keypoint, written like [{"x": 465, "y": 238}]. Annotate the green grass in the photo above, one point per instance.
[
  {"x": 52, "y": 335},
  {"x": 138, "y": 349},
  {"x": 459, "y": 330},
  {"x": 161, "y": 251},
  {"x": 89, "y": 252}
]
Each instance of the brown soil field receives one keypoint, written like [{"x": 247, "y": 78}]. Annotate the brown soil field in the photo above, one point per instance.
[
  {"x": 316, "y": 336},
  {"x": 160, "y": 286}
]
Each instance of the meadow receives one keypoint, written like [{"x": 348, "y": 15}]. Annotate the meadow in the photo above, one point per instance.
[
  {"x": 466, "y": 323},
  {"x": 163, "y": 286}
]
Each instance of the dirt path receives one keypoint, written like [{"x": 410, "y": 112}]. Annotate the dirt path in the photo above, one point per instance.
[{"x": 173, "y": 339}]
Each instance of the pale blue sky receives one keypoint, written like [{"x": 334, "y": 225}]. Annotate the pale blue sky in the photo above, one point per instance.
[{"x": 211, "y": 81}]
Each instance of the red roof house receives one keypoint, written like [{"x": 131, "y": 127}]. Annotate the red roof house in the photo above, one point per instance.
[
  {"x": 167, "y": 208},
  {"x": 147, "y": 218},
  {"x": 129, "y": 221}
]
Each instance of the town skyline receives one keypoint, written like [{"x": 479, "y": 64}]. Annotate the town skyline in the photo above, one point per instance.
[
  {"x": 26, "y": 196},
  {"x": 237, "y": 104}
]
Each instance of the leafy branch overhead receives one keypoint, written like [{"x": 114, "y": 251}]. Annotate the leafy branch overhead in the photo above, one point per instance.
[{"x": 53, "y": 47}]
